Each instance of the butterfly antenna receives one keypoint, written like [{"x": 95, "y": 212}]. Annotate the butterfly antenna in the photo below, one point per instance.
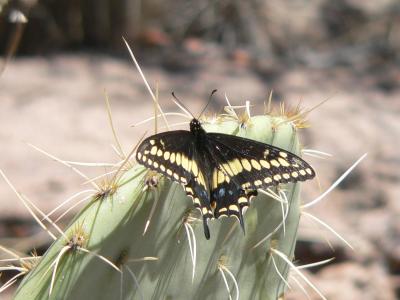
[
  {"x": 209, "y": 100},
  {"x": 181, "y": 105}
]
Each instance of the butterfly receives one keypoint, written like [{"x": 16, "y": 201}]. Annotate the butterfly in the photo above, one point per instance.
[{"x": 220, "y": 172}]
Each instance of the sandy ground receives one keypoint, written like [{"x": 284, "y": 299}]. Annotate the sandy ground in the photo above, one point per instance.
[{"x": 57, "y": 104}]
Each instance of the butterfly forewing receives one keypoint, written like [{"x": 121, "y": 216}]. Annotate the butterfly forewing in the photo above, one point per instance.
[
  {"x": 243, "y": 166},
  {"x": 169, "y": 153},
  {"x": 174, "y": 155},
  {"x": 256, "y": 165}
]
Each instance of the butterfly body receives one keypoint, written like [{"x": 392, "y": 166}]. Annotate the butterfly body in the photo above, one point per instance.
[{"x": 220, "y": 172}]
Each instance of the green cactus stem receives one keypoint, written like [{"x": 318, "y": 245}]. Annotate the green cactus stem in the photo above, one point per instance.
[{"x": 172, "y": 259}]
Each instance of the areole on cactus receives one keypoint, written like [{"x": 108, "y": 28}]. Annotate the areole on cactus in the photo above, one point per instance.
[
  {"x": 140, "y": 237},
  {"x": 171, "y": 259}
]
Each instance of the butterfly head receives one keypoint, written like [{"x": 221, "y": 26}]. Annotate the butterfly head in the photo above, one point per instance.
[{"x": 195, "y": 127}]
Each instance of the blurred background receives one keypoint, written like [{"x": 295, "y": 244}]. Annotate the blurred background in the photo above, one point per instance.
[{"x": 58, "y": 58}]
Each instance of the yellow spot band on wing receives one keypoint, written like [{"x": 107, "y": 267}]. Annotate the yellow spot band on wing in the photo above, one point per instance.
[
  {"x": 227, "y": 168},
  {"x": 265, "y": 164},
  {"x": 233, "y": 207},
  {"x": 236, "y": 166},
  {"x": 166, "y": 155},
  {"x": 255, "y": 164},
  {"x": 221, "y": 177},
  {"x": 242, "y": 200},
  {"x": 195, "y": 169},
  {"x": 153, "y": 150},
  {"x": 200, "y": 179},
  {"x": 172, "y": 158},
  {"x": 283, "y": 154},
  {"x": 275, "y": 163},
  {"x": 215, "y": 178},
  {"x": 185, "y": 163},
  {"x": 257, "y": 182},
  {"x": 246, "y": 164},
  {"x": 283, "y": 162},
  {"x": 178, "y": 159}
]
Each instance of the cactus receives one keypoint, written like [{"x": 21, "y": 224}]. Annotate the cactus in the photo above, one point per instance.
[{"x": 110, "y": 249}]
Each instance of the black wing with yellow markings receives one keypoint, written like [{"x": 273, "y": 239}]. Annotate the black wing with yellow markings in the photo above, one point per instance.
[
  {"x": 257, "y": 165},
  {"x": 168, "y": 153},
  {"x": 174, "y": 155},
  {"x": 242, "y": 166},
  {"x": 221, "y": 173}
]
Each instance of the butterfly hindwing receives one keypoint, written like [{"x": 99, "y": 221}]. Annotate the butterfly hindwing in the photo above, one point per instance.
[
  {"x": 227, "y": 196},
  {"x": 199, "y": 195}
]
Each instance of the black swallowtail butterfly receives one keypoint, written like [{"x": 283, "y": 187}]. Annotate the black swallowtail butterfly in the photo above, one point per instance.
[{"x": 220, "y": 172}]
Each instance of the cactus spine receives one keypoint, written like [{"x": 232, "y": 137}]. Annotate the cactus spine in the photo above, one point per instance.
[{"x": 172, "y": 259}]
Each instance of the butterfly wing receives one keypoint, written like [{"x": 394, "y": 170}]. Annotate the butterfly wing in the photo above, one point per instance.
[
  {"x": 243, "y": 166},
  {"x": 229, "y": 173},
  {"x": 199, "y": 194},
  {"x": 227, "y": 196},
  {"x": 167, "y": 153},
  {"x": 174, "y": 155}
]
